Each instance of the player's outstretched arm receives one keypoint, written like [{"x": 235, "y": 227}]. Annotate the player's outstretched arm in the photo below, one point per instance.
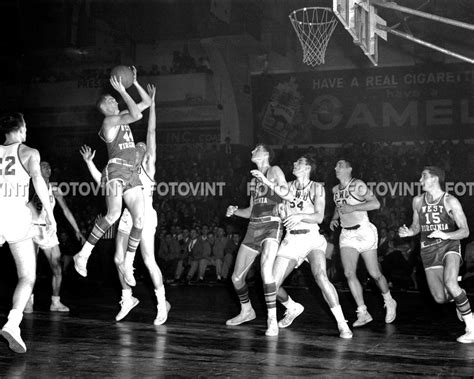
[
  {"x": 233, "y": 210},
  {"x": 414, "y": 228},
  {"x": 361, "y": 191},
  {"x": 69, "y": 216},
  {"x": 150, "y": 155},
  {"x": 146, "y": 99},
  {"x": 88, "y": 156},
  {"x": 40, "y": 185}
]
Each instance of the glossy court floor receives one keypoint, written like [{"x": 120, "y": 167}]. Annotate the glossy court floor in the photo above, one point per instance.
[{"x": 195, "y": 342}]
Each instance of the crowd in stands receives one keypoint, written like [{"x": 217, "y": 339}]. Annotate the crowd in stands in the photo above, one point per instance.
[
  {"x": 195, "y": 242},
  {"x": 182, "y": 63}
]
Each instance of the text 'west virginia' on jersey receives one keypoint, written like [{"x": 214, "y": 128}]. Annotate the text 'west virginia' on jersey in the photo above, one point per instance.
[
  {"x": 122, "y": 146},
  {"x": 265, "y": 201},
  {"x": 434, "y": 216},
  {"x": 346, "y": 195},
  {"x": 265, "y": 221}
]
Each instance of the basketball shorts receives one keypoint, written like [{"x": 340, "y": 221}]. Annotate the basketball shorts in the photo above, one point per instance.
[
  {"x": 258, "y": 232},
  {"x": 149, "y": 225},
  {"x": 16, "y": 226},
  {"x": 126, "y": 174},
  {"x": 434, "y": 255},
  {"x": 364, "y": 238},
  {"x": 45, "y": 238},
  {"x": 298, "y": 245}
]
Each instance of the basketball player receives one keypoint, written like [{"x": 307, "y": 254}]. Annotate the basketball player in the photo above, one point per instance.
[
  {"x": 120, "y": 176},
  {"x": 263, "y": 236},
  {"x": 358, "y": 237},
  {"x": 19, "y": 163},
  {"x": 49, "y": 243},
  {"x": 440, "y": 219},
  {"x": 304, "y": 205},
  {"x": 146, "y": 156}
]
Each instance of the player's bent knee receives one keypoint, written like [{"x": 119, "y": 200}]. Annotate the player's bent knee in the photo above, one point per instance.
[{"x": 112, "y": 216}]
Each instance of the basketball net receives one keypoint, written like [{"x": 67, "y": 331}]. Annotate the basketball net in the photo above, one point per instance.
[{"x": 314, "y": 26}]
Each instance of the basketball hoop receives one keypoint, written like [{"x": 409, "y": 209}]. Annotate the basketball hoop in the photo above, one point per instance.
[{"x": 314, "y": 26}]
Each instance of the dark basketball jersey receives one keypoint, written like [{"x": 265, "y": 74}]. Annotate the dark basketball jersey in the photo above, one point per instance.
[
  {"x": 122, "y": 146},
  {"x": 433, "y": 216},
  {"x": 265, "y": 201}
]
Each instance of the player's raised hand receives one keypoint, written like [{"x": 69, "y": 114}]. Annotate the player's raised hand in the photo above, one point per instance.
[
  {"x": 334, "y": 224},
  {"x": 116, "y": 83},
  {"x": 151, "y": 91},
  {"x": 404, "y": 231},
  {"x": 87, "y": 153},
  {"x": 134, "y": 71},
  {"x": 231, "y": 209}
]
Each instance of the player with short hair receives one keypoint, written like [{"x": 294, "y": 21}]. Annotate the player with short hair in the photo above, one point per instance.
[
  {"x": 48, "y": 242},
  {"x": 439, "y": 218},
  {"x": 304, "y": 205},
  {"x": 263, "y": 235},
  {"x": 120, "y": 176},
  {"x": 358, "y": 237},
  {"x": 18, "y": 164},
  {"x": 146, "y": 157}
]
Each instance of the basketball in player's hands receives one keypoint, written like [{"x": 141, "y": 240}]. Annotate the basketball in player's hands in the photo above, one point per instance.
[{"x": 125, "y": 73}]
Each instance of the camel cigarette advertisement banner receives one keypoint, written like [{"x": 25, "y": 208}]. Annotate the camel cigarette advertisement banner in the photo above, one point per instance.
[{"x": 377, "y": 104}]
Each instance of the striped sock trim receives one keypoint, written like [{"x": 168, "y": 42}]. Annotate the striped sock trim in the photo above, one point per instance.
[
  {"x": 269, "y": 290},
  {"x": 462, "y": 304},
  {"x": 243, "y": 294}
]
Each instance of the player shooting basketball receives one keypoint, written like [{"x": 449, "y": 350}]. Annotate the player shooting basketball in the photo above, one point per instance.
[{"x": 120, "y": 176}]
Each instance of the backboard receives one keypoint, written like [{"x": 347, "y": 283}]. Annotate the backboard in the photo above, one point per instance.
[{"x": 360, "y": 19}]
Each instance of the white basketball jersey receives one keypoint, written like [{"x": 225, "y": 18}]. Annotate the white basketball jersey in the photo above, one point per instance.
[
  {"x": 303, "y": 202},
  {"x": 148, "y": 185},
  {"x": 14, "y": 180},
  {"x": 345, "y": 196},
  {"x": 39, "y": 213}
]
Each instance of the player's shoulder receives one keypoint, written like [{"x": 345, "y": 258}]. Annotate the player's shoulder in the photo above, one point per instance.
[
  {"x": 451, "y": 199},
  {"x": 275, "y": 170},
  {"x": 26, "y": 151},
  {"x": 335, "y": 188},
  {"x": 318, "y": 188},
  {"x": 418, "y": 200}
]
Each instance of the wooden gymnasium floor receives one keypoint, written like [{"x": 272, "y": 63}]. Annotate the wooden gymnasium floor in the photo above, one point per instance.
[{"x": 195, "y": 342}]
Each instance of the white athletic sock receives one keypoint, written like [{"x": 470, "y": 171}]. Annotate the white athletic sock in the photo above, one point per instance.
[
  {"x": 160, "y": 294},
  {"x": 86, "y": 249},
  {"x": 337, "y": 312},
  {"x": 55, "y": 299},
  {"x": 127, "y": 293},
  {"x": 272, "y": 313},
  {"x": 469, "y": 320},
  {"x": 362, "y": 308},
  {"x": 246, "y": 306},
  {"x": 289, "y": 303},
  {"x": 129, "y": 258},
  {"x": 14, "y": 317},
  {"x": 387, "y": 296}
]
